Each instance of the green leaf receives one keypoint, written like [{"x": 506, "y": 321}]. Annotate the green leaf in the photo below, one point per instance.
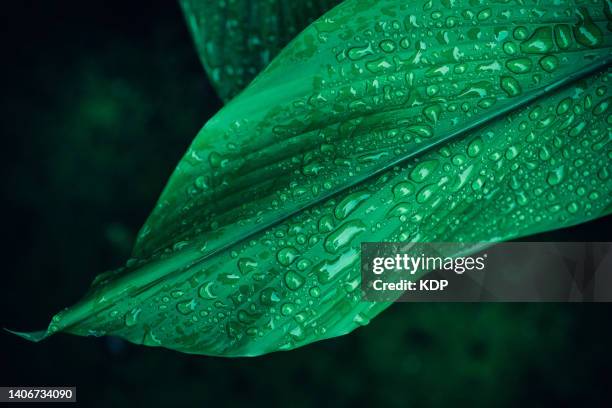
[
  {"x": 237, "y": 39},
  {"x": 382, "y": 121}
]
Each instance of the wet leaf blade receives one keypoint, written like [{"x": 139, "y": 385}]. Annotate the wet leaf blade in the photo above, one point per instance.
[
  {"x": 237, "y": 39},
  {"x": 254, "y": 244},
  {"x": 323, "y": 130},
  {"x": 481, "y": 208}
]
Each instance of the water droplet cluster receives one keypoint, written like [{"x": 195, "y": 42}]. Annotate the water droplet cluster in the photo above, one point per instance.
[
  {"x": 237, "y": 39},
  {"x": 342, "y": 103}
]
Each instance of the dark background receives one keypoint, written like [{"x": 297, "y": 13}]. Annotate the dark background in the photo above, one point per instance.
[{"x": 99, "y": 100}]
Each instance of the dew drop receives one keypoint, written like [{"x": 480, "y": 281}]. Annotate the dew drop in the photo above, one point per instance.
[
  {"x": 564, "y": 106},
  {"x": 187, "y": 307},
  {"x": 349, "y": 204},
  {"x": 586, "y": 31},
  {"x": 423, "y": 170},
  {"x": 540, "y": 41},
  {"x": 357, "y": 53},
  {"x": 556, "y": 176},
  {"x": 563, "y": 36},
  {"x": 519, "y": 65},
  {"x": 402, "y": 190},
  {"x": 601, "y": 107},
  {"x": 287, "y": 255},
  {"x": 420, "y": 130},
  {"x": 293, "y": 280},
  {"x": 521, "y": 33},
  {"x": 432, "y": 113},
  {"x": 269, "y": 297},
  {"x": 206, "y": 292},
  {"x": 315, "y": 291},
  {"x": 287, "y": 309},
  {"x": 510, "y": 86},
  {"x": 573, "y": 207},
  {"x": 343, "y": 235},
  {"x": 246, "y": 265},
  {"x": 326, "y": 224},
  {"x": 475, "y": 147},
  {"x": 387, "y": 45},
  {"x": 426, "y": 193},
  {"x": 327, "y": 271},
  {"x": 510, "y": 48},
  {"x": 549, "y": 63}
]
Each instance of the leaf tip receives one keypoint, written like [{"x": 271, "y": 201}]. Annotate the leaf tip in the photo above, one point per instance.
[{"x": 31, "y": 336}]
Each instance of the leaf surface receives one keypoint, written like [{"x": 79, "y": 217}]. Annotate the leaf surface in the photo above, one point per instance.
[
  {"x": 237, "y": 39},
  {"x": 382, "y": 121}
]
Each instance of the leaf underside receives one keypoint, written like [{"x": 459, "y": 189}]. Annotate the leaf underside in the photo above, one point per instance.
[
  {"x": 237, "y": 39},
  {"x": 383, "y": 121}
]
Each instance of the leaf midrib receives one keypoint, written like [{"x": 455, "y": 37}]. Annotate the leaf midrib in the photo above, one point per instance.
[
  {"x": 360, "y": 178},
  {"x": 159, "y": 268}
]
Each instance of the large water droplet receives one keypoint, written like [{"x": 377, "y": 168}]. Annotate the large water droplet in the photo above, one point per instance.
[
  {"x": 586, "y": 31},
  {"x": 343, "y": 235},
  {"x": 475, "y": 147},
  {"x": 510, "y": 86},
  {"x": 206, "y": 291},
  {"x": 350, "y": 203},
  {"x": 540, "y": 41},
  {"x": 432, "y": 113},
  {"x": 563, "y": 36},
  {"x": 186, "y": 307},
  {"x": 401, "y": 190},
  {"x": 556, "y": 176},
  {"x": 423, "y": 170},
  {"x": 549, "y": 63},
  {"x": 357, "y": 53},
  {"x": 327, "y": 271},
  {"x": 287, "y": 255},
  {"x": 269, "y": 296},
  {"x": 246, "y": 265},
  {"x": 294, "y": 280},
  {"x": 519, "y": 65}
]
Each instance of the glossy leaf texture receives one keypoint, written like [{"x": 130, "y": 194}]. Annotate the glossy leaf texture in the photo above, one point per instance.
[
  {"x": 237, "y": 39},
  {"x": 382, "y": 121}
]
